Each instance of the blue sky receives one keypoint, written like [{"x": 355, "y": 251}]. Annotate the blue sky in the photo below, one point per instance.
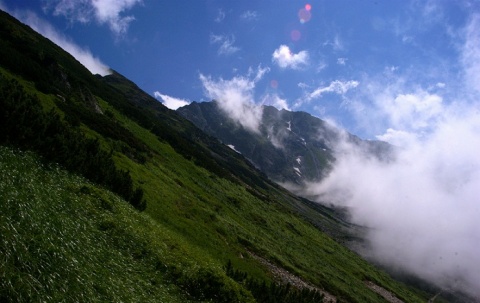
[{"x": 371, "y": 67}]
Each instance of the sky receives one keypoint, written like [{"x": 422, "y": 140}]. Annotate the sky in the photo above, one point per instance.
[
  {"x": 406, "y": 72},
  {"x": 328, "y": 58}
]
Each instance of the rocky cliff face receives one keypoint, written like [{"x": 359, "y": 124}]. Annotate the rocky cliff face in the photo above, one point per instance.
[{"x": 289, "y": 147}]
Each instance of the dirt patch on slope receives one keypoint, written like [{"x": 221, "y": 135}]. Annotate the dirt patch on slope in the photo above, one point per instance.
[
  {"x": 285, "y": 277},
  {"x": 390, "y": 297}
]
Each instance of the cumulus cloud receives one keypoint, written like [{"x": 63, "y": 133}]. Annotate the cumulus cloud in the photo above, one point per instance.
[
  {"x": 110, "y": 12},
  {"x": 171, "y": 102},
  {"x": 235, "y": 97},
  {"x": 285, "y": 58},
  {"x": 226, "y": 44},
  {"x": 84, "y": 56}
]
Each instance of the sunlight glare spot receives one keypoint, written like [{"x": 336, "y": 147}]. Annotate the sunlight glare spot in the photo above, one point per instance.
[{"x": 304, "y": 15}]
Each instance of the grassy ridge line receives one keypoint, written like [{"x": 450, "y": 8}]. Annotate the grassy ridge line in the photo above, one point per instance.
[{"x": 66, "y": 240}]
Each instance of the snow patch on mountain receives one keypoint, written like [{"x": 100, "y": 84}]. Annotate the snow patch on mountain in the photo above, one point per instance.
[
  {"x": 233, "y": 147},
  {"x": 297, "y": 171}
]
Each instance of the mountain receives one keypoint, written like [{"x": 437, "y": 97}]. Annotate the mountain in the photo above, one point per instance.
[
  {"x": 289, "y": 147},
  {"x": 106, "y": 195}
]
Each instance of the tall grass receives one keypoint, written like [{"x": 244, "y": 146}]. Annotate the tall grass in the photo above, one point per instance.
[{"x": 64, "y": 240}]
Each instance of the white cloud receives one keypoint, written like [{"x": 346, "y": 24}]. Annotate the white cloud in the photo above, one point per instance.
[
  {"x": 303, "y": 85},
  {"x": 337, "y": 86},
  {"x": 84, "y": 56},
  {"x": 470, "y": 57},
  {"x": 259, "y": 72},
  {"x": 342, "y": 61},
  {"x": 321, "y": 66},
  {"x": 337, "y": 44},
  {"x": 216, "y": 38},
  {"x": 421, "y": 207},
  {"x": 416, "y": 111},
  {"x": 108, "y": 12},
  {"x": 397, "y": 137},
  {"x": 235, "y": 97},
  {"x": 220, "y": 16},
  {"x": 398, "y": 103},
  {"x": 171, "y": 102},
  {"x": 225, "y": 43},
  {"x": 249, "y": 15},
  {"x": 284, "y": 57},
  {"x": 276, "y": 101}
]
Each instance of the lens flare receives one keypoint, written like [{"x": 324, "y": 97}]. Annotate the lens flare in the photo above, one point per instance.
[
  {"x": 295, "y": 35},
  {"x": 274, "y": 83},
  {"x": 304, "y": 15},
  {"x": 308, "y": 7}
]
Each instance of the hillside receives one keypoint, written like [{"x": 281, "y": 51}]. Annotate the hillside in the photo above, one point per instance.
[
  {"x": 213, "y": 228},
  {"x": 290, "y": 147}
]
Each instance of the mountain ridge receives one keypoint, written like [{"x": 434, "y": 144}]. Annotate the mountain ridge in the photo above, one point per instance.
[{"x": 289, "y": 147}]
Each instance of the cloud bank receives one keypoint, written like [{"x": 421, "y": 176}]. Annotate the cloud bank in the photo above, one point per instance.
[
  {"x": 285, "y": 58},
  {"x": 84, "y": 56},
  {"x": 108, "y": 12},
  {"x": 422, "y": 208}
]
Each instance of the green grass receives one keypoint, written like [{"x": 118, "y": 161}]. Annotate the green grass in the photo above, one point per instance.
[{"x": 65, "y": 240}]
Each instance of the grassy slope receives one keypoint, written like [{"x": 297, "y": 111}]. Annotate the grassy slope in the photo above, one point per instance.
[
  {"x": 64, "y": 239},
  {"x": 196, "y": 221},
  {"x": 226, "y": 220}
]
